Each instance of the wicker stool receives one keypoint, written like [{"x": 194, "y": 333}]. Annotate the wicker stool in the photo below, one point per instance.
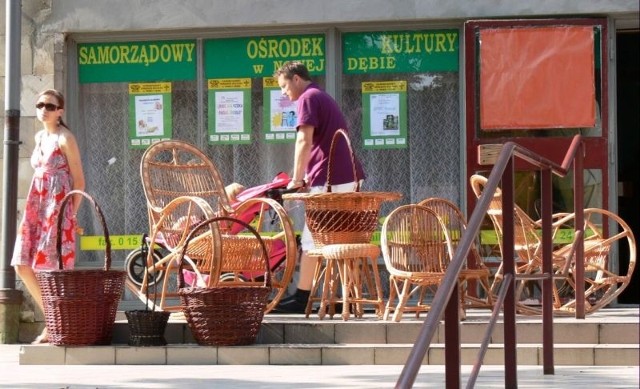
[
  {"x": 357, "y": 266},
  {"x": 324, "y": 285}
]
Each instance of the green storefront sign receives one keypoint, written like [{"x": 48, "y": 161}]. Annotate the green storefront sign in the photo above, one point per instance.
[
  {"x": 258, "y": 57},
  {"x": 400, "y": 52},
  {"x": 137, "y": 61}
]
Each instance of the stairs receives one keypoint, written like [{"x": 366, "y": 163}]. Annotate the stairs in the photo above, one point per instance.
[{"x": 608, "y": 337}]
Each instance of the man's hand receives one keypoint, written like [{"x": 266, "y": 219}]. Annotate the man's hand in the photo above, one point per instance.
[{"x": 296, "y": 184}]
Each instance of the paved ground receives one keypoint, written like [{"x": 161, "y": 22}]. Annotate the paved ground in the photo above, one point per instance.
[{"x": 13, "y": 375}]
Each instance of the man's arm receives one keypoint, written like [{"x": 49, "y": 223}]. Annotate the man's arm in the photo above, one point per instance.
[{"x": 304, "y": 139}]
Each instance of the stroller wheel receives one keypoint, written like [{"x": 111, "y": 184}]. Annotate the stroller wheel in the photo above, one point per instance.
[
  {"x": 135, "y": 263},
  {"x": 225, "y": 277}
]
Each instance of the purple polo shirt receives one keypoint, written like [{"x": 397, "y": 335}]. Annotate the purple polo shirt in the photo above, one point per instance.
[{"x": 318, "y": 109}]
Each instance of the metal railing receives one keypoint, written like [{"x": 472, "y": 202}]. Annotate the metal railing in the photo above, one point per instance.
[{"x": 446, "y": 299}]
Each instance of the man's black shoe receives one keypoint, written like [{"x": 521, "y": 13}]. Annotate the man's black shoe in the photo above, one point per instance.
[{"x": 290, "y": 304}]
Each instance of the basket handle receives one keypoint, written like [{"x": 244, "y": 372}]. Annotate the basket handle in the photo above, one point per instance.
[
  {"x": 144, "y": 249},
  {"x": 192, "y": 233},
  {"x": 351, "y": 154},
  {"x": 105, "y": 230}
]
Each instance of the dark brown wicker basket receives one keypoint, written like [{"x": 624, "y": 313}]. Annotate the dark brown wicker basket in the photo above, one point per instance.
[
  {"x": 147, "y": 326},
  {"x": 224, "y": 315},
  {"x": 80, "y": 305}
]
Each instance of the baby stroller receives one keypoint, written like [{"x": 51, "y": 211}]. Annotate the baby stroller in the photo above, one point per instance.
[{"x": 175, "y": 207}]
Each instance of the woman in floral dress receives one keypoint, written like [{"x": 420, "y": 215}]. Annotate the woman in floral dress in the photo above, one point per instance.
[{"x": 58, "y": 170}]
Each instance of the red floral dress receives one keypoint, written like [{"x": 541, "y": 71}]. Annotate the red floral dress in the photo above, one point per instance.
[{"x": 36, "y": 238}]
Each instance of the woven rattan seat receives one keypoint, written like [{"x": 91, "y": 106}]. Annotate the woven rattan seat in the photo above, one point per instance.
[{"x": 353, "y": 267}]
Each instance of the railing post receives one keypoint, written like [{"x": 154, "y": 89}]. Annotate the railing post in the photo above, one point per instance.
[
  {"x": 508, "y": 263},
  {"x": 547, "y": 269},
  {"x": 452, "y": 340},
  {"x": 578, "y": 209}
]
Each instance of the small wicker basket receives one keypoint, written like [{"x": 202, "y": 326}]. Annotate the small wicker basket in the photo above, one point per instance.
[
  {"x": 80, "y": 305},
  {"x": 224, "y": 315},
  {"x": 147, "y": 326},
  {"x": 336, "y": 218}
]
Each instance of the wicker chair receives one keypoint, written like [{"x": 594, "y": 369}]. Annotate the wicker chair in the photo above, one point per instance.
[
  {"x": 417, "y": 250},
  {"x": 602, "y": 231},
  {"x": 474, "y": 273},
  {"x": 183, "y": 187}
]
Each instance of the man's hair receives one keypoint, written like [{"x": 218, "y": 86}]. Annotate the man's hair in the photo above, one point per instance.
[{"x": 293, "y": 68}]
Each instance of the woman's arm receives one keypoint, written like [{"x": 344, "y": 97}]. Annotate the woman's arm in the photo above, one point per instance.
[{"x": 69, "y": 147}]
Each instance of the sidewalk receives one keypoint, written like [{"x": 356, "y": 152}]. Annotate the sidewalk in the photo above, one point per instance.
[{"x": 13, "y": 375}]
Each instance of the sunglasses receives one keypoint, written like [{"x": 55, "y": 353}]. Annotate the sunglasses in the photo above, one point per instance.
[{"x": 48, "y": 106}]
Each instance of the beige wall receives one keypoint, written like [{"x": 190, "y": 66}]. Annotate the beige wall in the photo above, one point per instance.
[{"x": 102, "y": 16}]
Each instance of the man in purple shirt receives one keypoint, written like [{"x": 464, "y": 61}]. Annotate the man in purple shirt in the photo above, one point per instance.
[{"x": 319, "y": 117}]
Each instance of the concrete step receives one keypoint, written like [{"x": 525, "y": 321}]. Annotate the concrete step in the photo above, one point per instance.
[
  {"x": 609, "y": 338},
  {"x": 318, "y": 354},
  {"x": 296, "y": 329}
]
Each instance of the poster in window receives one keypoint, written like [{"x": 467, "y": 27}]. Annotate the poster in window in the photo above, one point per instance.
[
  {"x": 280, "y": 114},
  {"x": 149, "y": 113},
  {"x": 229, "y": 111},
  {"x": 384, "y": 114}
]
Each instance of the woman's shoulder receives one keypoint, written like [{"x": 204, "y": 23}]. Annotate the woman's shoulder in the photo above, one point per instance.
[
  {"x": 65, "y": 133},
  {"x": 65, "y": 137}
]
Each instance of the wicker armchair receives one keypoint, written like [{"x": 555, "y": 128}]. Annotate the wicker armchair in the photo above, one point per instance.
[
  {"x": 474, "y": 273},
  {"x": 183, "y": 187},
  {"x": 417, "y": 250},
  {"x": 602, "y": 231}
]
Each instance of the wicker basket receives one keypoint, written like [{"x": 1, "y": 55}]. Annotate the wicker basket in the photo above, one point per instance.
[
  {"x": 224, "y": 315},
  {"x": 337, "y": 218},
  {"x": 147, "y": 327},
  {"x": 80, "y": 305}
]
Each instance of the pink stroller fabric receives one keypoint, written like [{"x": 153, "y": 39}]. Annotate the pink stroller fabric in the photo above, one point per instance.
[{"x": 278, "y": 249}]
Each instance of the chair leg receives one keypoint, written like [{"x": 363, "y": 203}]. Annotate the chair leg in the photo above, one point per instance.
[
  {"x": 335, "y": 282},
  {"x": 462, "y": 312},
  {"x": 393, "y": 287},
  {"x": 343, "y": 276},
  {"x": 375, "y": 291},
  {"x": 402, "y": 300},
  {"x": 318, "y": 275},
  {"x": 357, "y": 277},
  {"x": 327, "y": 289}
]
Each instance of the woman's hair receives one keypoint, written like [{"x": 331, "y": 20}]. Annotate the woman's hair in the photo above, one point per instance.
[
  {"x": 293, "y": 68},
  {"x": 60, "y": 98}
]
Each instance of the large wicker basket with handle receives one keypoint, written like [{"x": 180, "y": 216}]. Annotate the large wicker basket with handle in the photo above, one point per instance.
[
  {"x": 226, "y": 313},
  {"x": 80, "y": 305},
  {"x": 336, "y": 218}
]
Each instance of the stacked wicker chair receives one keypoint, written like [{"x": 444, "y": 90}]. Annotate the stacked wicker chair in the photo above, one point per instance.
[{"x": 603, "y": 230}]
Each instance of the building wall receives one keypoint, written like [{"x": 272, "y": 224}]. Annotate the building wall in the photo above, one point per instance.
[
  {"x": 47, "y": 24},
  {"x": 136, "y": 15}
]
